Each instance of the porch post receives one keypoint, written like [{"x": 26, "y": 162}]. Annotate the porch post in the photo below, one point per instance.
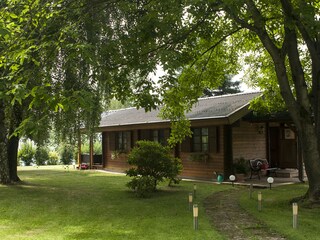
[
  {"x": 91, "y": 151},
  {"x": 228, "y": 151}
]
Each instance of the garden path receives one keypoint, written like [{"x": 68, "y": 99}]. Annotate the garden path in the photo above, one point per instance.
[{"x": 227, "y": 216}]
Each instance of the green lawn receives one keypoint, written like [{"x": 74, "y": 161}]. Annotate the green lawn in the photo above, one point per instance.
[
  {"x": 53, "y": 203},
  {"x": 277, "y": 212}
]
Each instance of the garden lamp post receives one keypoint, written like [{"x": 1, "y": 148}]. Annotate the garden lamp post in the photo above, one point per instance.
[
  {"x": 194, "y": 190},
  {"x": 232, "y": 178},
  {"x": 190, "y": 200},
  {"x": 195, "y": 216},
  {"x": 295, "y": 215},
  {"x": 250, "y": 190},
  {"x": 259, "y": 201},
  {"x": 270, "y": 180}
]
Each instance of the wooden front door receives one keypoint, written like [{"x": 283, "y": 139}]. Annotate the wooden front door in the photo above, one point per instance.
[
  {"x": 274, "y": 146},
  {"x": 283, "y": 148}
]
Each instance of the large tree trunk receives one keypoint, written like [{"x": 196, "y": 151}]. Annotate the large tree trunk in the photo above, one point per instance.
[
  {"x": 13, "y": 145},
  {"x": 288, "y": 68},
  {"x": 311, "y": 157},
  {"x": 4, "y": 168}
]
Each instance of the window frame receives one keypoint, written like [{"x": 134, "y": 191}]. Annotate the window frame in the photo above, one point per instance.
[
  {"x": 200, "y": 139},
  {"x": 157, "y": 135},
  {"x": 123, "y": 140}
]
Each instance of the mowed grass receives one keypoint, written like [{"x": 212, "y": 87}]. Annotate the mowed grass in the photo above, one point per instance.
[
  {"x": 54, "y": 203},
  {"x": 276, "y": 212}
]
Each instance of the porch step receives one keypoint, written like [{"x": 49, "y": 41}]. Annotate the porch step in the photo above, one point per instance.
[{"x": 287, "y": 173}]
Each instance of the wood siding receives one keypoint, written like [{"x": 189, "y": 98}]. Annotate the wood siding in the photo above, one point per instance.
[
  {"x": 205, "y": 168},
  {"x": 111, "y": 161},
  {"x": 249, "y": 141}
]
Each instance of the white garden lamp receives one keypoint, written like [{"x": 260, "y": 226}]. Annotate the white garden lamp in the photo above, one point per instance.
[
  {"x": 270, "y": 180},
  {"x": 232, "y": 178}
]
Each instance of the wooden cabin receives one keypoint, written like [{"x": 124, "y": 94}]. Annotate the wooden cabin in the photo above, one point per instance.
[{"x": 223, "y": 131}]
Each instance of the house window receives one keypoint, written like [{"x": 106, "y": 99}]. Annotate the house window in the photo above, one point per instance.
[
  {"x": 123, "y": 141},
  {"x": 200, "y": 140},
  {"x": 158, "y": 136}
]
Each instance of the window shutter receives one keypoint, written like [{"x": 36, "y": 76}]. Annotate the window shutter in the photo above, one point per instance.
[{"x": 213, "y": 139}]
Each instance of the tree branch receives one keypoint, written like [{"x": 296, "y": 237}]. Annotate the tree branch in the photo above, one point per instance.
[
  {"x": 277, "y": 55},
  {"x": 217, "y": 43}
]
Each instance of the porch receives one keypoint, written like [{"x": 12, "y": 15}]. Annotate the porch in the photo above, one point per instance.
[{"x": 281, "y": 177}]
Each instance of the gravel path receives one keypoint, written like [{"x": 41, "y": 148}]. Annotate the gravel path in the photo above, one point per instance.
[{"x": 232, "y": 221}]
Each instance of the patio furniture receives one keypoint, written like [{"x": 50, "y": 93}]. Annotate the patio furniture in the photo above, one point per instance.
[{"x": 258, "y": 164}]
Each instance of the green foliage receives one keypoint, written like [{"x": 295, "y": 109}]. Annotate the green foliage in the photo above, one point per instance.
[
  {"x": 142, "y": 185},
  {"x": 152, "y": 163},
  {"x": 27, "y": 152},
  {"x": 66, "y": 154},
  {"x": 241, "y": 165},
  {"x": 53, "y": 158},
  {"x": 41, "y": 155},
  {"x": 97, "y": 147},
  {"x": 227, "y": 87},
  {"x": 115, "y": 104}
]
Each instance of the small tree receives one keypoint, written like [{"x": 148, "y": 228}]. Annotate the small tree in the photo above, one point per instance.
[
  {"x": 27, "y": 152},
  {"x": 152, "y": 163},
  {"x": 53, "y": 158},
  {"x": 41, "y": 155},
  {"x": 66, "y": 154}
]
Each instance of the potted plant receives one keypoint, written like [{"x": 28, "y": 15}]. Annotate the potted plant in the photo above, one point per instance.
[{"x": 240, "y": 168}]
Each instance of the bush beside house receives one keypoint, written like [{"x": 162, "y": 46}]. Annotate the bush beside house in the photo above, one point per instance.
[
  {"x": 240, "y": 168},
  {"x": 151, "y": 163}
]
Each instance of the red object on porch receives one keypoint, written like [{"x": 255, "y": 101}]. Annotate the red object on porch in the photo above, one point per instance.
[{"x": 83, "y": 166}]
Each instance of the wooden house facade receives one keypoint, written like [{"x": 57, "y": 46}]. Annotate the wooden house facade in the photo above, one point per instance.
[{"x": 222, "y": 133}]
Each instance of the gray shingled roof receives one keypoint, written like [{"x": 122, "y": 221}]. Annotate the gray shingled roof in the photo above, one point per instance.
[{"x": 206, "y": 108}]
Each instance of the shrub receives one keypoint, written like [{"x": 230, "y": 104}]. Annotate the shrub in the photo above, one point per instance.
[
  {"x": 26, "y": 153},
  {"x": 41, "y": 155},
  {"x": 241, "y": 166},
  {"x": 53, "y": 158},
  {"x": 151, "y": 163},
  {"x": 66, "y": 154},
  {"x": 142, "y": 185}
]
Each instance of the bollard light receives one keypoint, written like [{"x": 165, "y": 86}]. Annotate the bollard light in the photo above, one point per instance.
[
  {"x": 295, "y": 215},
  {"x": 259, "y": 201},
  {"x": 250, "y": 190},
  {"x": 190, "y": 200},
  {"x": 195, "y": 216},
  {"x": 270, "y": 180},
  {"x": 194, "y": 190},
  {"x": 232, "y": 178}
]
